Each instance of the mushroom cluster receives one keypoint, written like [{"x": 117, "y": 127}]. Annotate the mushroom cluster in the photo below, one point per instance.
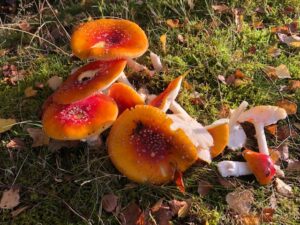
[{"x": 152, "y": 138}]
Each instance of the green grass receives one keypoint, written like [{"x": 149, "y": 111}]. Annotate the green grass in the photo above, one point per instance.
[{"x": 53, "y": 183}]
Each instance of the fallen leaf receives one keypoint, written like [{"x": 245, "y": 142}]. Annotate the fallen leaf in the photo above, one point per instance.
[
  {"x": 6, "y": 124},
  {"x": 240, "y": 201},
  {"x": 290, "y": 107},
  {"x": 222, "y": 79},
  {"x": 227, "y": 182},
  {"x": 258, "y": 24},
  {"x": 204, "y": 187},
  {"x": 238, "y": 18},
  {"x": 185, "y": 209},
  {"x": 30, "y": 92},
  {"x": 293, "y": 40},
  {"x": 274, "y": 51},
  {"x": 274, "y": 155},
  {"x": 18, "y": 211},
  {"x": 271, "y": 129},
  {"x": 109, "y": 202},
  {"x": 54, "y": 82},
  {"x": 286, "y": 29},
  {"x": 12, "y": 75},
  {"x": 284, "y": 132},
  {"x": 173, "y": 23},
  {"x": 288, "y": 10},
  {"x": 282, "y": 72},
  {"x": 157, "y": 205},
  {"x": 163, "y": 40},
  {"x": 180, "y": 38},
  {"x": 267, "y": 215},
  {"x": 10, "y": 198},
  {"x": 252, "y": 50},
  {"x": 176, "y": 205},
  {"x": 39, "y": 137},
  {"x": 24, "y": 25},
  {"x": 16, "y": 143},
  {"x": 220, "y": 8},
  {"x": 163, "y": 215},
  {"x": 248, "y": 220},
  {"x": 130, "y": 215},
  {"x": 293, "y": 165},
  {"x": 283, "y": 188},
  {"x": 284, "y": 152},
  {"x": 294, "y": 85},
  {"x": 273, "y": 201}
]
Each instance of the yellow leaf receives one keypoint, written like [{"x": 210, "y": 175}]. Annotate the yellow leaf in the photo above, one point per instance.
[
  {"x": 6, "y": 124},
  {"x": 290, "y": 107},
  {"x": 163, "y": 40},
  {"x": 173, "y": 23}
]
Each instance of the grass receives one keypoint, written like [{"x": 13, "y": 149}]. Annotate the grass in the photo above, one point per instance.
[{"x": 66, "y": 187}]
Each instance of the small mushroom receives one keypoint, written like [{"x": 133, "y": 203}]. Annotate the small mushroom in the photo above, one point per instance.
[
  {"x": 163, "y": 100},
  {"x": 81, "y": 119},
  {"x": 233, "y": 168},
  {"x": 261, "y": 165},
  {"x": 125, "y": 96},
  {"x": 262, "y": 116},
  {"x": 142, "y": 146},
  {"x": 88, "y": 79},
  {"x": 108, "y": 39},
  {"x": 219, "y": 130}
]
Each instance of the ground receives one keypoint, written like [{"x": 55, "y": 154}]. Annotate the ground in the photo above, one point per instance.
[{"x": 66, "y": 186}]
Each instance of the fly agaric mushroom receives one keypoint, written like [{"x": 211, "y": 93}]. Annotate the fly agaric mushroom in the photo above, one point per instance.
[
  {"x": 163, "y": 100},
  {"x": 262, "y": 116},
  {"x": 142, "y": 146},
  {"x": 219, "y": 130},
  {"x": 108, "y": 39},
  {"x": 261, "y": 165},
  {"x": 125, "y": 96},
  {"x": 81, "y": 119},
  {"x": 88, "y": 79},
  {"x": 237, "y": 136}
]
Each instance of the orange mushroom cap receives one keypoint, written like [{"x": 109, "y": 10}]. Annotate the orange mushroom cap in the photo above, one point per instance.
[
  {"x": 143, "y": 147},
  {"x": 125, "y": 96},
  {"x": 220, "y": 133},
  {"x": 81, "y": 119},
  {"x": 164, "y": 99},
  {"x": 261, "y": 166},
  {"x": 108, "y": 39},
  {"x": 88, "y": 79}
]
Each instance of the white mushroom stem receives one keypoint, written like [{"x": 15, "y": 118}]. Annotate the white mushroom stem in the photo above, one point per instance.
[
  {"x": 93, "y": 141},
  {"x": 135, "y": 66},
  {"x": 123, "y": 79},
  {"x": 261, "y": 138},
  {"x": 155, "y": 60},
  {"x": 233, "y": 169},
  {"x": 236, "y": 113},
  {"x": 177, "y": 109}
]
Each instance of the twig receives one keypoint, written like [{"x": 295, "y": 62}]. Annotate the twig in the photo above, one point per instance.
[
  {"x": 76, "y": 213},
  {"x": 20, "y": 170}
]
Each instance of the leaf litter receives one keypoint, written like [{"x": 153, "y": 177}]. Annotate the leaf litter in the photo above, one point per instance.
[{"x": 10, "y": 198}]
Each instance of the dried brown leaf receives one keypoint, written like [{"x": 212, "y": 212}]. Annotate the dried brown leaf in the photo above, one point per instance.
[
  {"x": 283, "y": 132},
  {"x": 54, "y": 82},
  {"x": 271, "y": 129},
  {"x": 173, "y": 23},
  {"x": 180, "y": 38},
  {"x": 204, "y": 187},
  {"x": 163, "y": 216},
  {"x": 185, "y": 209},
  {"x": 293, "y": 40},
  {"x": 24, "y": 25},
  {"x": 282, "y": 72},
  {"x": 274, "y": 51},
  {"x": 283, "y": 188},
  {"x": 38, "y": 136},
  {"x": 238, "y": 18},
  {"x": 16, "y": 143},
  {"x": 294, "y": 85},
  {"x": 284, "y": 152},
  {"x": 293, "y": 165},
  {"x": 240, "y": 201},
  {"x": 10, "y": 198},
  {"x": 30, "y": 92},
  {"x": 267, "y": 215},
  {"x": 290, "y": 107},
  {"x": 250, "y": 219},
  {"x": 109, "y": 202},
  {"x": 157, "y": 205},
  {"x": 6, "y": 124},
  {"x": 220, "y": 8},
  {"x": 130, "y": 215}
]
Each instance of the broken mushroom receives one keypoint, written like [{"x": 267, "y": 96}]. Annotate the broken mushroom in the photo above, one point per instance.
[
  {"x": 79, "y": 120},
  {"x": 142, "y": 146}
]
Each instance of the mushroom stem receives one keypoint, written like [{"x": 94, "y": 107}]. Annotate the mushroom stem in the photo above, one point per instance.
[
  {"x": 155, "y": 60},
  {"x": 177, "y": 109},
  {"x": 123, "y": 79},
  {"x": 233, "y": 169},
  {"x": 94, "y": 141},
  {"x": 261, "y": 138},
  {"x": 237, "y": 112}
]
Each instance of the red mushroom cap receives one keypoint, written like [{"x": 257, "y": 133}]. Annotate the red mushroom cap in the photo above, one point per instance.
[
  {"x": 125, "y": 96},
  {"x": 87, "y": 80},
  {"x": 261, "y": 166},
  {"x": 143, "y": 147},
  {"x": 81, "y": 119},
  {"x": 108, "y": 39}
]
